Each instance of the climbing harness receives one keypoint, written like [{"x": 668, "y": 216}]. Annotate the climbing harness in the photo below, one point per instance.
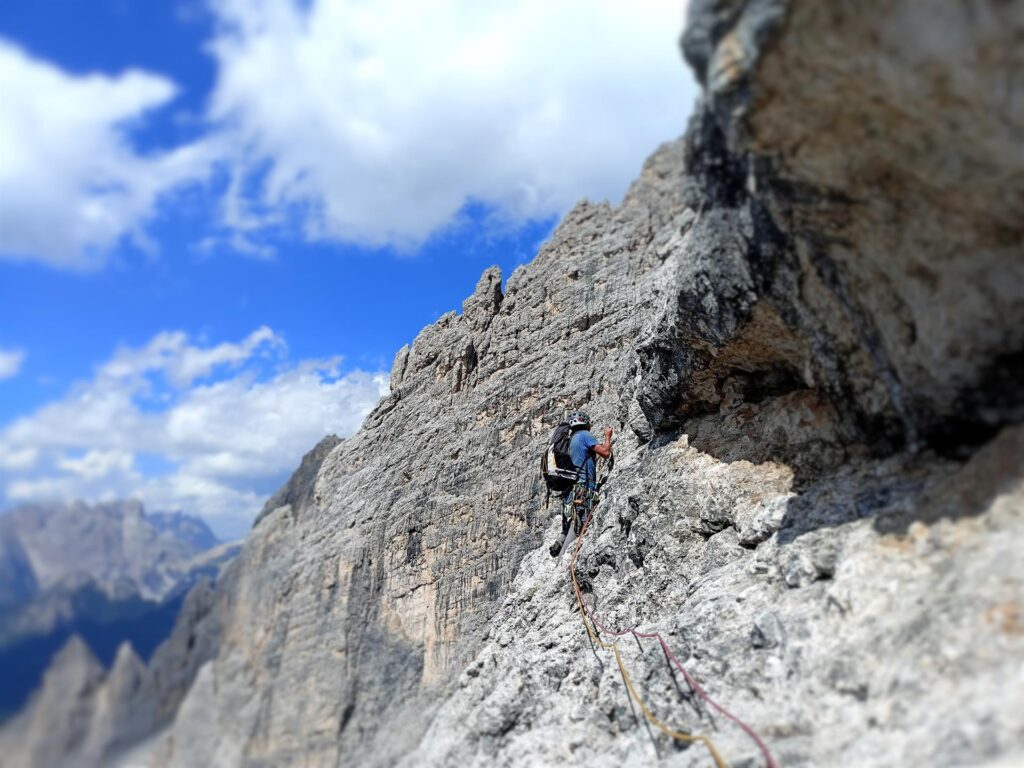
[
  {"x": 576, "y": 511},
  {"x": 578, "y": 508},
  {"x": 592, "y": 627}
]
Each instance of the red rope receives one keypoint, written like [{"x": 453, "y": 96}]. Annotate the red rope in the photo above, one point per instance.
[{"x": 769, "y": 760}]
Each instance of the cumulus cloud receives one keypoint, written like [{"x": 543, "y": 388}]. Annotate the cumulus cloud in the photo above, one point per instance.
[
  {"x": 71, "y": 184},
  {"x": 18, "y": 458},
  {"x": 182, "y": 363},
  {"x": 10, "y": 363},
  {"x": 144, "y": 427},
  {"x": 378, "y": 122},
  {"x": 374, "y": 123},
  {"x": 96, "y": 464}
]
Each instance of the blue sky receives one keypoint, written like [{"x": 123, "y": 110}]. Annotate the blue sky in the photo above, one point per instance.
[{"x": 209, "y": 207}]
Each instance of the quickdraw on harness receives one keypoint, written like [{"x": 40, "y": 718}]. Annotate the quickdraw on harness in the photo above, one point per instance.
[
  {"x": 581, "y": 503},
  {"x": 578, "y": 507}
]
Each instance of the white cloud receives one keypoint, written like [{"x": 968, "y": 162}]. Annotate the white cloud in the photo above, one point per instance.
[
  {"x": 71, "y": 185},
  {"x": 96, "y": 464},
  {"x": 170, "y": 353},
  {"x": 18, "y": 458},
  {"x": 220, "y": 442},
  {"x": 10, "y": 363},
  {"x": 367, "y": 122},
  {"x": 379, "y": 121}
]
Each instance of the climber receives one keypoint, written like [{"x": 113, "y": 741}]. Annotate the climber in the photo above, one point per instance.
[{"x": 580, "y": 498}]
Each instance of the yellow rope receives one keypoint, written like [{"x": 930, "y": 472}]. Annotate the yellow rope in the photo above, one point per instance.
[{"x": 614, "y": 648}]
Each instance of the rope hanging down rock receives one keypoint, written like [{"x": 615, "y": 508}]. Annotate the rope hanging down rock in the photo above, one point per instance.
[{"x": 593, "y": 625}]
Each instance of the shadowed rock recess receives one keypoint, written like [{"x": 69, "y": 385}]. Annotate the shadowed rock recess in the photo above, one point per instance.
[{"x": 806, "y": 322}]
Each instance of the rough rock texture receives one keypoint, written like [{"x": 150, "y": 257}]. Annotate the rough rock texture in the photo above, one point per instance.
[
  {"x": 298, "y": 491},
  {"x": 55, "y": 732},
  {"x": 840, "y": 645},
  {"x": 805, "y": 320},
  {"x": 884, "y": 140}
]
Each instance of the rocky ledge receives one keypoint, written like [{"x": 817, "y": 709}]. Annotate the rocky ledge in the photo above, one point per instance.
[{"x": 806, "y": 323}]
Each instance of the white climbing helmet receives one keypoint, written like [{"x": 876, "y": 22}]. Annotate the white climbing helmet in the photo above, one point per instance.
[{"x": 579, "y": 419}]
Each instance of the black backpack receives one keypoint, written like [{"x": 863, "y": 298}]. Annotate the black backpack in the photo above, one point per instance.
[{"x": 556, "y": 465}]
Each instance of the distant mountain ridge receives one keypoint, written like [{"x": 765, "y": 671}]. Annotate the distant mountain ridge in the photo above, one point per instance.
[
  {"x": 185, "y": 528},
  {"x": 106, "y": 572},
  {"x": 114, "y": 545},
  {"x": 805, "y": 322}
]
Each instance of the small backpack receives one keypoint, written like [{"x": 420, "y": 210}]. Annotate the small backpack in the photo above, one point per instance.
[{"x": 556, "y": 465}]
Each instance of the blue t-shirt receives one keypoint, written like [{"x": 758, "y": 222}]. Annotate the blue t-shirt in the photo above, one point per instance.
[{"x": 581, "y": 451}]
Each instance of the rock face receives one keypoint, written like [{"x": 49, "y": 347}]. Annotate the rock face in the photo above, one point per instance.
[
  {"x": 893, "y": 170},
  {"x": 805, "y": 323},
  {"x": 115, "y": 546},
  {"x": 107, "y": 572},
  {"x": 297, "y": 493},
  {"x": 65, "y": 707}
]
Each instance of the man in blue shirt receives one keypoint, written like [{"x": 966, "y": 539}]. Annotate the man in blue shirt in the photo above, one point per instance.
[{"x": 583, "y": 448}]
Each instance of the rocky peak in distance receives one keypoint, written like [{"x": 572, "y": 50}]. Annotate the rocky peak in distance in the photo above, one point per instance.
[{"x": 805, "y": 323}]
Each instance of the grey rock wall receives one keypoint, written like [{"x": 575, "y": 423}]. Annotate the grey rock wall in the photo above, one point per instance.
[
  {"x": 884, "y": 140},
  {"x": 804, "y": 323}
]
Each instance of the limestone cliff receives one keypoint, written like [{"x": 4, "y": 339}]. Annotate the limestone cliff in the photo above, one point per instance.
[{"x": 806, "y": 323}]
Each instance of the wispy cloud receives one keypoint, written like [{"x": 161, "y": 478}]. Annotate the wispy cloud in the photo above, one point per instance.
[
  {"x": 226, "y": 422},
  {"x": 171, "y": 354},
  {"x": 375, "y": 130},
  {"x": 369, "y": 123},
  {"x": 11, "y": 361},
  {"x": 71, "y": 184}
]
